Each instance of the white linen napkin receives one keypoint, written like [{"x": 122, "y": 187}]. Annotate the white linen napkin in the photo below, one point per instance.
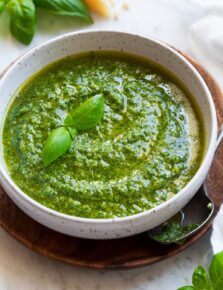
[
  {"x": 206, "y": 40},
  {"x": 204, "y": 20},
  {"x": 217, "y": 233}
]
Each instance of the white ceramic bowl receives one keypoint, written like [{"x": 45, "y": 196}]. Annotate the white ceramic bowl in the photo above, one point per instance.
[{"x": 160, "y": 53}]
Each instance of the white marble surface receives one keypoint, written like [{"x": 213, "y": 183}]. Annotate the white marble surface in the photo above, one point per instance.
[{"x": 21, "y": 269}]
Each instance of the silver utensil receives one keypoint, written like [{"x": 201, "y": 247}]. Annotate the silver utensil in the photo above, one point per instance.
[{"x": 197, "y": 212}]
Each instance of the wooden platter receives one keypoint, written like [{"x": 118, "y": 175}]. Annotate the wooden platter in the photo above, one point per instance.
[{"x": 124, "y": 253}]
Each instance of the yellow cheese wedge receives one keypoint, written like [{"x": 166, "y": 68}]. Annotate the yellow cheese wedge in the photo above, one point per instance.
[{"x": 98, "y": 6}]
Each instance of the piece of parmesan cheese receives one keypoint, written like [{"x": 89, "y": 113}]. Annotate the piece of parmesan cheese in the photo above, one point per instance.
[
  {"x": 98, "y": 6},
  {"x": 125, "y": 6}
]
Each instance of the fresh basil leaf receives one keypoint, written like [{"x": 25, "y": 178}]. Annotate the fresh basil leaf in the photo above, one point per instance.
[
  {"x": 23, "y": 19},
  {"x": 186, "y": 288},
  {"x": 73, "y": 132},
  {"x": 87, "y": 115},
  {"x": 65, "y": 7},
  {"x": 200, "y": 279},
  {"x": 2, "y": 5},
  {"x": 57, "y": 144},
  {"x": 216, "y": 271}
]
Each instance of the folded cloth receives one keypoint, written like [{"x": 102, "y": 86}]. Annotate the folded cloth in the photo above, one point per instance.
[
  {"x": 217, "y": 233},
  {"x": 204, "y": 20},
  {"x": 206, "y": 41}
]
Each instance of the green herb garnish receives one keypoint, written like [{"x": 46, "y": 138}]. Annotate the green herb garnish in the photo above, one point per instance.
[
  {"x": 23, "y": 19},
  {"x": 57, "y": 144},
  {"x": 23, "y": 14},
  {"x": 86, "y": 116},
  {"x": 214, "y": 281}
]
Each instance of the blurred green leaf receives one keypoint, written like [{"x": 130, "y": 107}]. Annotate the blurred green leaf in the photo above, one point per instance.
[
  {"x": 216, "y": 271},
  {"x": 200, "y": 279},
  {"x": 65, "y": 7},
  {"x": 2, "y": 6},
  {"x": 23, "y": 19}
]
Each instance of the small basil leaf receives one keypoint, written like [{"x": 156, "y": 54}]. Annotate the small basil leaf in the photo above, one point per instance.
[
  {"x": 57, "y": 144},
  {"x": 2, "y": 5},
  {"x": 216, "y": 271},
  {"x": 200, "y": 279},
  {"x": 65, "y": 7},
  {"x": 186, "y": 288},
  {"x": 73, "y": 132},
  {"x": 23, "y": 19},
  {"x": 87, "y": 115}
]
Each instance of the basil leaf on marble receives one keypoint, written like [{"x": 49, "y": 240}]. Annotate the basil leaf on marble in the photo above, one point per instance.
[
  {"x": 23, "y": 19},
  {"x": 57, "y": 144},
  {"x": 200, "y": 279},
  {"x": 87, "y": 115},
  {"x": 23, "y": 14},
  {"x": 216, "y": 271},
  {"x": 2, "y": 5},
  {"x": 65, "y": 7}
]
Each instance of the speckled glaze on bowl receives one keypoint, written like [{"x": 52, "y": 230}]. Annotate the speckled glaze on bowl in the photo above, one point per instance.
[{"x": 156, "y": 51}]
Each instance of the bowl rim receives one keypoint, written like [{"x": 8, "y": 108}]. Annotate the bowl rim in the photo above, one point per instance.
[{"x": 4, "y": 175}]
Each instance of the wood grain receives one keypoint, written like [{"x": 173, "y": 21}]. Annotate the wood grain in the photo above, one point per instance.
[{"x": 124, "y": 253}]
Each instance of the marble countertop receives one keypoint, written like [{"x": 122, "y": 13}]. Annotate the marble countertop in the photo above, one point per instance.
[{"x": 22, "y": 269}]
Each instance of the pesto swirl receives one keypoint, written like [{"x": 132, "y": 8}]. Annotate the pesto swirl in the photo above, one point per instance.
[{"x": 146, "y": 149}]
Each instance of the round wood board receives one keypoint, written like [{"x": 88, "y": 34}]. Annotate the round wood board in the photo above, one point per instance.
[{"x": 126, "y": 253}]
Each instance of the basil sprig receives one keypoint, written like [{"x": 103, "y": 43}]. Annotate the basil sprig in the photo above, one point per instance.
[
  {"x": 201, "y": 280},
  {"x": 65, "y": 8},
  {"x": 23, "y": 14},
  {"x": 23, "y": 19},
  {"x": 86, "y": 116}
]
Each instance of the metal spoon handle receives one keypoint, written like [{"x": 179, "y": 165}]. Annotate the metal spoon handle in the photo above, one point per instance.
[{"x": 220, "y": 136}]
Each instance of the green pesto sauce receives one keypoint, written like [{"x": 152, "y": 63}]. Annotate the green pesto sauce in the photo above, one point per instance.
[
  {"x": 174, "y": 233},
  {"x": 146, "y": 149}
]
